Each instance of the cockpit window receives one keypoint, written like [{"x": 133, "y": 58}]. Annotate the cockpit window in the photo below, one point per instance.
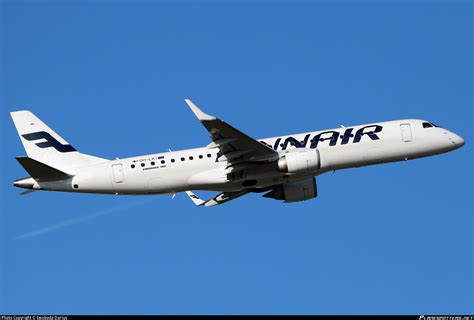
[
  {"x": 427, "y": 125},
  {"x": 434, "y": 125}
]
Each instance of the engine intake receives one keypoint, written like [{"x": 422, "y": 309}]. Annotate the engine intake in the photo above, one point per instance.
[{"x": 300, "y": 161}]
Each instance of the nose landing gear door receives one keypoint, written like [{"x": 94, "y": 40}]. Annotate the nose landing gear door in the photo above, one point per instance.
[
  {"x": 117, "y": 171},
  {"x": 406, "y": 132}
]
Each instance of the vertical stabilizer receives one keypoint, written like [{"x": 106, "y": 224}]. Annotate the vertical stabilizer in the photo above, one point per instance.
[{"x": 46, "y": 146}]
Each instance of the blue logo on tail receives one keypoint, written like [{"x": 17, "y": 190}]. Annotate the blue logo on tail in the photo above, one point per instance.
[{"x": 50, "y": 141}]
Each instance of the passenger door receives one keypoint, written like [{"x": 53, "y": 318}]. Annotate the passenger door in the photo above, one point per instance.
[
  {"x": 406, "y": 132},
  {"x": 117, "y": 171}
]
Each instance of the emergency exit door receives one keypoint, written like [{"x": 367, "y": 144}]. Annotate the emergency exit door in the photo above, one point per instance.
[
  {"x": 406, "y": 132},
  {"x": 117, "y": 171}
]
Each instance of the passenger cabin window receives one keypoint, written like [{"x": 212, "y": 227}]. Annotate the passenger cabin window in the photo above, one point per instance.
[
  {"x": 427, "y": 125},
  {"x": 162, "y": 161}
]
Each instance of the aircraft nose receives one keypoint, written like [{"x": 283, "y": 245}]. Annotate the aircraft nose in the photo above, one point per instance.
[{"x": 457, "y": 140}]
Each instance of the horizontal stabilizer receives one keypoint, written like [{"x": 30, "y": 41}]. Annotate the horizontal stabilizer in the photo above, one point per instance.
[
  {"x": 24, "y": 193},
  {"x": 40, "y": 171}
]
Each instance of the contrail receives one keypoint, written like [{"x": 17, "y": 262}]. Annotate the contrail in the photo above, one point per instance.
[{"x": 70, "y": 222}]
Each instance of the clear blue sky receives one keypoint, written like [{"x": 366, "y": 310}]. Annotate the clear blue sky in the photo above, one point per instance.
[{"x": 111, "y": 79}]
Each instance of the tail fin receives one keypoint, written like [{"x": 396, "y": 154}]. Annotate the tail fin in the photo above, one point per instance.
[{"x": 46, "y": 146}]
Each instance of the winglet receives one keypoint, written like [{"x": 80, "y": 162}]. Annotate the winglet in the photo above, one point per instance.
[
  {"x": 198, "y": 112},
  {"x": 197, "y": 201}
]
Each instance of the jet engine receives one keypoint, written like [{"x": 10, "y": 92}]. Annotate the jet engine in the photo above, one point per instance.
[
  {"x": 300, "y": 161},
  {"x": 294, "y": 191}
]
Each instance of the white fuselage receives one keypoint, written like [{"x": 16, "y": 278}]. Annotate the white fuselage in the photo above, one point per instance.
[{"x": 199, "y": 168}]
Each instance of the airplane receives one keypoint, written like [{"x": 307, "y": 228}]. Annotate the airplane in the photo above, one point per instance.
[{"x": 233, "y": 163}]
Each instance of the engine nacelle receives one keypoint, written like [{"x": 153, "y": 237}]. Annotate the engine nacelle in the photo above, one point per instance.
[
  {"x": 295, "y": 191},
  {"x": 300, "y": 161}
]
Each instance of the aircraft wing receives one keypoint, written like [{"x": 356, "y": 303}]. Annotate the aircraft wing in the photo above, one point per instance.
[
  {"x": 233, "y": 144},
  {"x": 219, "y": 199}
]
